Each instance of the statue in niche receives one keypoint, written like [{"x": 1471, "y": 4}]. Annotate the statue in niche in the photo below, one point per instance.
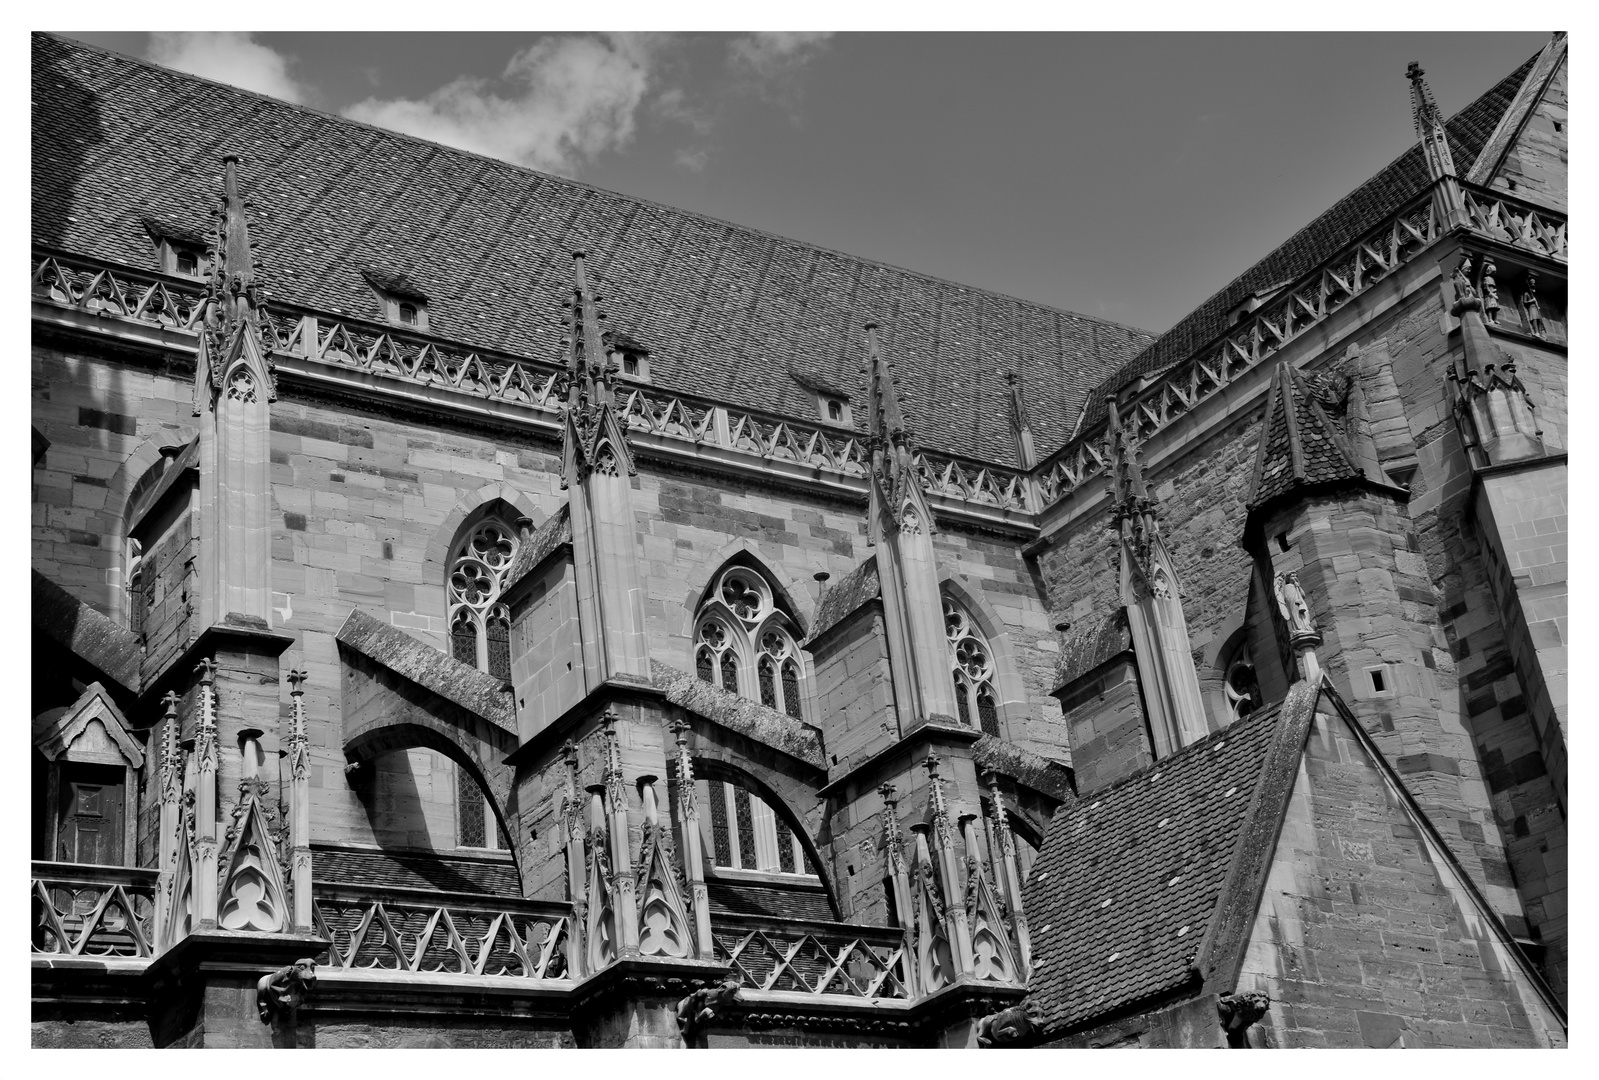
[
  {"x": 1462, "y": 280},
  {"x": 1529, "y": 306},
  {"x": 279, "y": 994},
  {"x": 1490, "y": 292},
  {"x": 1293, "y": 606}
]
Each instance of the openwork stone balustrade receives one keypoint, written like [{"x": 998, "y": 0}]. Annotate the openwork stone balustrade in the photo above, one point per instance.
[
  {"x": 496, "y": 936},
  {"x": 381, "y": 351},
  {"x": 94, "y": 911},
  {"x": 848, "y": 961}
]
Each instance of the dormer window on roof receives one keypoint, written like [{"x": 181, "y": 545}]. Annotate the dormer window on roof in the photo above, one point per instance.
[
  {"x": 631, "y": 357},
  {"x": 179, "y": 249},
  {"x": 403, "y": 301}
]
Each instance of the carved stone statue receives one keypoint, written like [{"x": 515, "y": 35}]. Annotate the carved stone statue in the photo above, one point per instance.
[
  {"x": 1490, "y": 292},
  {"x": 1462, "y": 279},
  {"x": 279, "y": 994},
  {"x": 1291, "y": 602},
  {"x": 1529, "y": 305},
  {"x": 1238, "y": 1013},
  {"x": 705, "y": 1005},
  {"x": 1004, "y": 1028}
]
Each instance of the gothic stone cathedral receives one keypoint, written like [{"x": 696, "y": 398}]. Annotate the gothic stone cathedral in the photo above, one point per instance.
[{"x": 472, "y": 608}]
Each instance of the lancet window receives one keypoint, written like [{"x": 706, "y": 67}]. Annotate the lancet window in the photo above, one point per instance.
[
  {"x": 744, "y": 642},
  {"x": 480, "y": 626},
  {"x": 972, "y": 664},
  {"x": 480, "y": 635},
  {"x": 748, "y": 833}
]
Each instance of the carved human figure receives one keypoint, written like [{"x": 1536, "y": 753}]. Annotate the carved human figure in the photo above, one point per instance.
[
  {"x": 1291, "y": 602},
  {"x": 1490, "y": 292},
  {"x": 1529, "y": 305},
  {"x": 277, "y": 995},
  {"x": 1462, "y": 279}
]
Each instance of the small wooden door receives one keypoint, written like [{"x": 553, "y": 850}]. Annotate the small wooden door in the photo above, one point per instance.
[{"x": 91, "y": 817}]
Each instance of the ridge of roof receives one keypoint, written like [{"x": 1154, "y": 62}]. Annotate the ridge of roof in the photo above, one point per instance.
[
  {"x": 1318, "y": 240},
  {"x": 1532, "y": 90}
]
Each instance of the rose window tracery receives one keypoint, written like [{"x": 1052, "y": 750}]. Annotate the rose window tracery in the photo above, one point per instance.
[
  {"x": 745, "y": 644},
  {"x": 973, "y": 670}
]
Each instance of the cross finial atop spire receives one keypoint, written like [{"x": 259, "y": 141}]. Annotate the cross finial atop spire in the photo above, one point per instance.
[{"x": 1429, "y": 124}]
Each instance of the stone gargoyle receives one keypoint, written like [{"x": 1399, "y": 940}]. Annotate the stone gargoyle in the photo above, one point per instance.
[{"x": 277, "y": 995}]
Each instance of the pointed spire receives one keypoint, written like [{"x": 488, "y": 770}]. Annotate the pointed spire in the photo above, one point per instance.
[
  {"x": 233, "y": 268},
  {"x": 1429, "y": 122},
  {"x": 897, "y": 492},
  {"x": 595, "y": 438},
  {"x": 887, "y": 422},
  {"x": 1021, "y": 424},
  {"x": 1129, "y": 494}
]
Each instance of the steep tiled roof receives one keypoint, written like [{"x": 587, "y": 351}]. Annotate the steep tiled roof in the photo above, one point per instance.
[
  {"x": 1299, "y": 442},
  {"x": 1126, "y": 884},
  {"x": 414, "y": 870},
  {"x": 1360, "y": 210},
  {"x": 725, "y": 309}
]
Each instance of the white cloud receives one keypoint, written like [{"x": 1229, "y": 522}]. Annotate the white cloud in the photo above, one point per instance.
[
  {"x": 569, "y": 98},
  {"x": 769, "y": 55},
  {"x": 230, "y": 57}
]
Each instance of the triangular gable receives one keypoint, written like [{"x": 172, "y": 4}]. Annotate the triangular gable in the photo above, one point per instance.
[
  {"x": 1533, "y": 97},
  {"x": 1351, "y": 913},
  {"x": 1124, "y": 897},
  {"x": 92, "y": 729}
]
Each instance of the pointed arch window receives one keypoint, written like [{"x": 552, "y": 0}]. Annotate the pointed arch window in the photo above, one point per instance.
[
  {"x": 972, "y": 668},
  {"x": 748, "y": 833},
  {"x": 480, "y": 626},
  {"x": 480, "y": 635},
  {"x": 744, "y": 642}
]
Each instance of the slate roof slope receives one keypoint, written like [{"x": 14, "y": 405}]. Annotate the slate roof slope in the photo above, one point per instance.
[
  {"x": 1299, "y": 442},
  {"x": 1342, "y": 223},
  {"x": 726, "y": 310},
  {"x": 415, "y": 870},
  {"x": 1124, "y": 889}
]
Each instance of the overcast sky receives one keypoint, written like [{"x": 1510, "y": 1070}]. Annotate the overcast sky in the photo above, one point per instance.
[{"x": 1127, "y": 176}]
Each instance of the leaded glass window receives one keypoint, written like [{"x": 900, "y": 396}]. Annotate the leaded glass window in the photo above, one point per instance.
[
  {"x": 744, "y": 642},
  {"x": 972, "y": 669},
  {"x": 748, "y": 833},
  {"x": 480, "y": 635}
]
